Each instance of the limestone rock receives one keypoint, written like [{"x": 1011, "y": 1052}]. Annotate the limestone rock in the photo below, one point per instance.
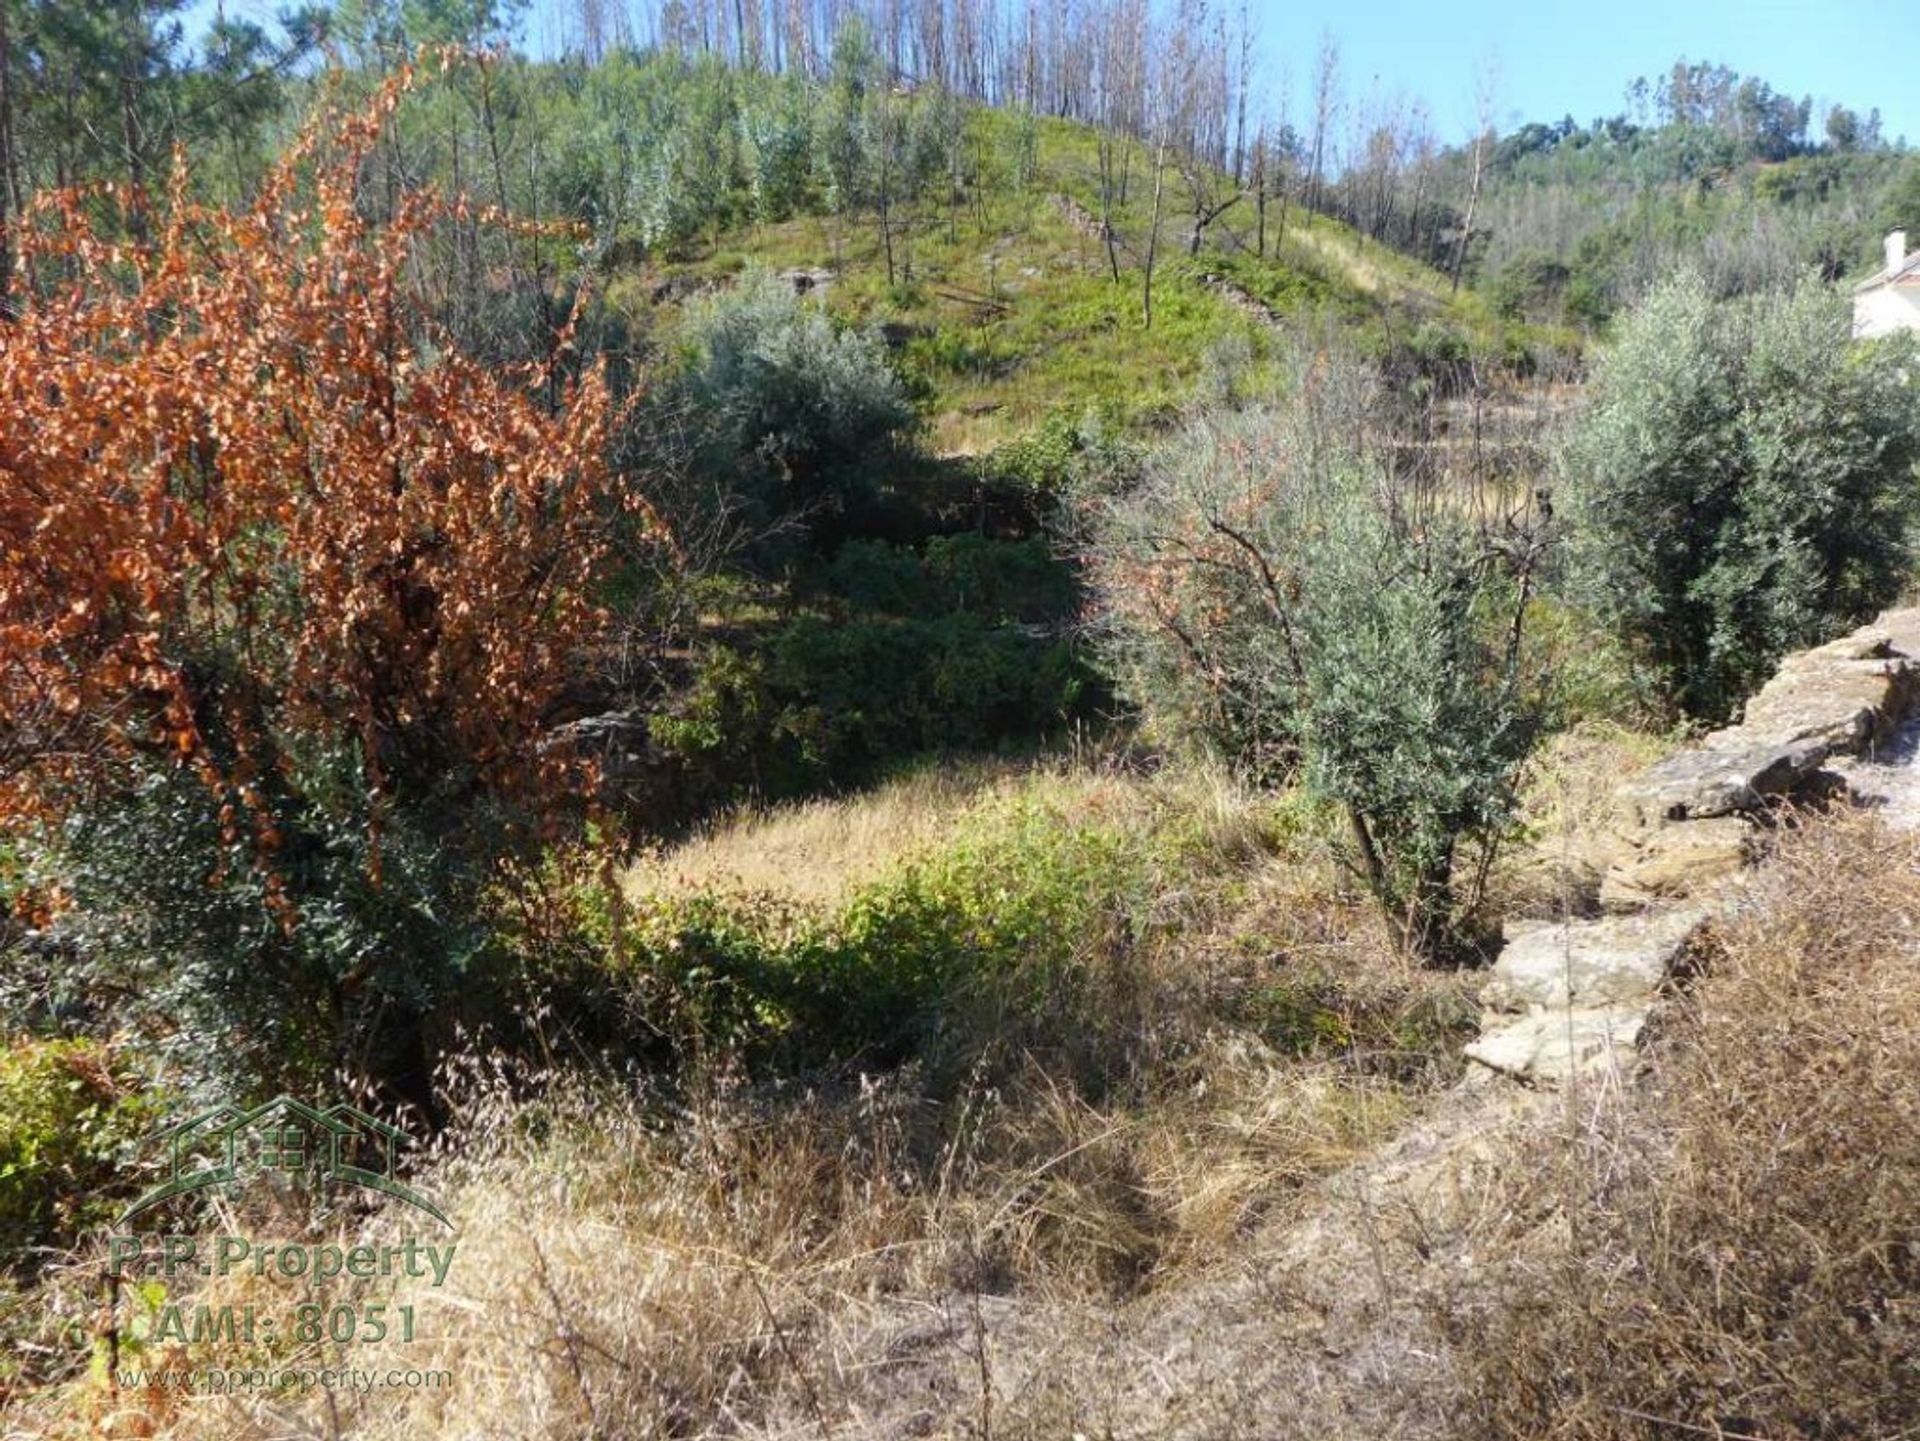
[
  {"x": 1901, "y": 628},
  {"x": 1548, "y": 1046},
  {"x": 1870, "y": 642},
  {"x": 1696, "y": 784},
  {"x": 806, "y": 280},
  {"x": 1677, "y": 860},
  {"x": 1590, "y": 963},
  {"x": 1845, "y": 703}
]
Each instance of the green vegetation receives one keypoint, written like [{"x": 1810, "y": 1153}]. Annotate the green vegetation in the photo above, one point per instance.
[
  {"x": 69, "y": 1113},
  {"x": 896, "y": 725},
  {"x": 1743, "y": 484},
  {"x": 780, "y": 390},
  {"x": 1274, "y": 591},
  {"x": 1709, "y": 170}
]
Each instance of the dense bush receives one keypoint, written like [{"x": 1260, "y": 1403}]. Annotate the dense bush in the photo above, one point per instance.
[
  {"x": 1742, "y": 483},
  {"x": 276, "y": 663},
  {"x": 171, "y": 927},
  {"x": 1269, "y": 590},
  {"x": 798, "y": 401},
  {"x": 1002, "y": 580},
  {"x": 834, "y": 700}
]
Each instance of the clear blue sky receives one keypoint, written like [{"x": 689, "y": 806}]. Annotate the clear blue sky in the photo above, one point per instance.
[{"x": 1554, "y": 58}]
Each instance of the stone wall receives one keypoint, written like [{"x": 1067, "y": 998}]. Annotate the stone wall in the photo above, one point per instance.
[{"x": 1573, "y": 996}]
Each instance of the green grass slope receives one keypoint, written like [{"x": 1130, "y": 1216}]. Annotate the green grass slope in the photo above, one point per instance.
[{"x": 1003, "y": 307}]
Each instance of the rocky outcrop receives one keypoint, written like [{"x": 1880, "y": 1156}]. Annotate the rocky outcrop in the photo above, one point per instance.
[
  {"x": 1837, "y": 699},
  {"x": 1572, "y": 997},
  {"x": 1082, "y": 220}
]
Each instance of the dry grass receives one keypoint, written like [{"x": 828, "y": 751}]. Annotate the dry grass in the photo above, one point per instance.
[
  {"x": 1236, "y": 1242},
  {"x": 798, "y": 1268},
  {"x": 1571, "y": 819},
  {"x": 871, "y": 1257},
  {"x": 1734, "y": 1253},
  {"x": 816, "y": 851}
]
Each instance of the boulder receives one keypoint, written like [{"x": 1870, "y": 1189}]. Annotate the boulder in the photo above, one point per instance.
[{"x": 1590, "y": 963}]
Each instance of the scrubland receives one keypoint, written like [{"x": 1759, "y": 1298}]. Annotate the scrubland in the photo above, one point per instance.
[{"x": 1188, "y": 1154}]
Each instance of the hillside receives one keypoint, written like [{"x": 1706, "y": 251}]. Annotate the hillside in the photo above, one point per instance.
[
  {"x": 1004, "y": 309},
  {"x": 1707, "y": 168}
]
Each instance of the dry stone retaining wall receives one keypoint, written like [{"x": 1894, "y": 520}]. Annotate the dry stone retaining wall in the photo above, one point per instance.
[{"x": 1572, "y": 996}]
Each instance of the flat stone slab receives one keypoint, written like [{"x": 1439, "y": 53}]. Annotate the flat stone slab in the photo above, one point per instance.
[
  {"x": 1697, "y": 784},
  {"x": 1848, "y": 704},
  {"x": 1548, "y": 1046},
  {"x": 1590, "y": 963},
  {"x": 1676, "y": 861}
]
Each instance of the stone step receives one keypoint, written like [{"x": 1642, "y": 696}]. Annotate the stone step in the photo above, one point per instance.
[
  {"x": 1547, "y": 1047},
  {"x": 1671, "y": 862},
  {"x": 1556, "y": 964}
]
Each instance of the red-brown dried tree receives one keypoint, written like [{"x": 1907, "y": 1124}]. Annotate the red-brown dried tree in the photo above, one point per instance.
[
  {"x": 248, "y": 492},
  {"x": 270, "y": 541}
]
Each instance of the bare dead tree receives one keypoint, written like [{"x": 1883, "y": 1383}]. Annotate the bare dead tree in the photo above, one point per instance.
[
  {"x": 1261, "y": 181},
  {"x": 1153, "y": 232},
  {"x": 1208, "y": 199},
  {"x": 1485, "y": 82},
  {"x": 1420, "y": 140},
  {"x": 1326, "y": 103},
  {"x": 1242, "y": 83}
]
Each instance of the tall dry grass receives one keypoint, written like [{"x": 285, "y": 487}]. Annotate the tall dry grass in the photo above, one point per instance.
[
  {"x": 1734, "y": 1252},
  {"x": 817, "y": 850}
]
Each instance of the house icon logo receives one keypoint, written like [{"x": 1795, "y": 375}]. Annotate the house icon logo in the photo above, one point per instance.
[{"x": 223, "y": 1146}]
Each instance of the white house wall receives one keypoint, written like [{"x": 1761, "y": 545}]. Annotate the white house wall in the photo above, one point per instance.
[{"x": 1885, "y": 310}]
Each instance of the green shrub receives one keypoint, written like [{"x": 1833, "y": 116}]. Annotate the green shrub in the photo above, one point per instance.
[
  {"x": 1530, "y": 286},
  {"x": 856, "y": 694},
  {"x": 1742, "y": 484},
  {"x": 873, "y": 575},
  {"x": 177, "y": 920},
  {"x": 790, "y": 395},
  {"x": 1065, "y": 451},
  {"x": 945, "y": 954},
  {"x": 1271, "y": 591},
  {"x": 68, "y": 1110},
  {"x": 1011, "y": 580},
  {"x": 970, "y": 573}
]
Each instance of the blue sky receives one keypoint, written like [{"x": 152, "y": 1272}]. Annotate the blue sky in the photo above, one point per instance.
[{"x": 1555, "y": 58}]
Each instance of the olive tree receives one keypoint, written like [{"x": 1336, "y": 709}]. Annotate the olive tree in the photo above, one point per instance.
[
  {"x": 1741, "y": 483},
  {"x": 1271, "y": 589},
  {"x": 794, "y": 403}
]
